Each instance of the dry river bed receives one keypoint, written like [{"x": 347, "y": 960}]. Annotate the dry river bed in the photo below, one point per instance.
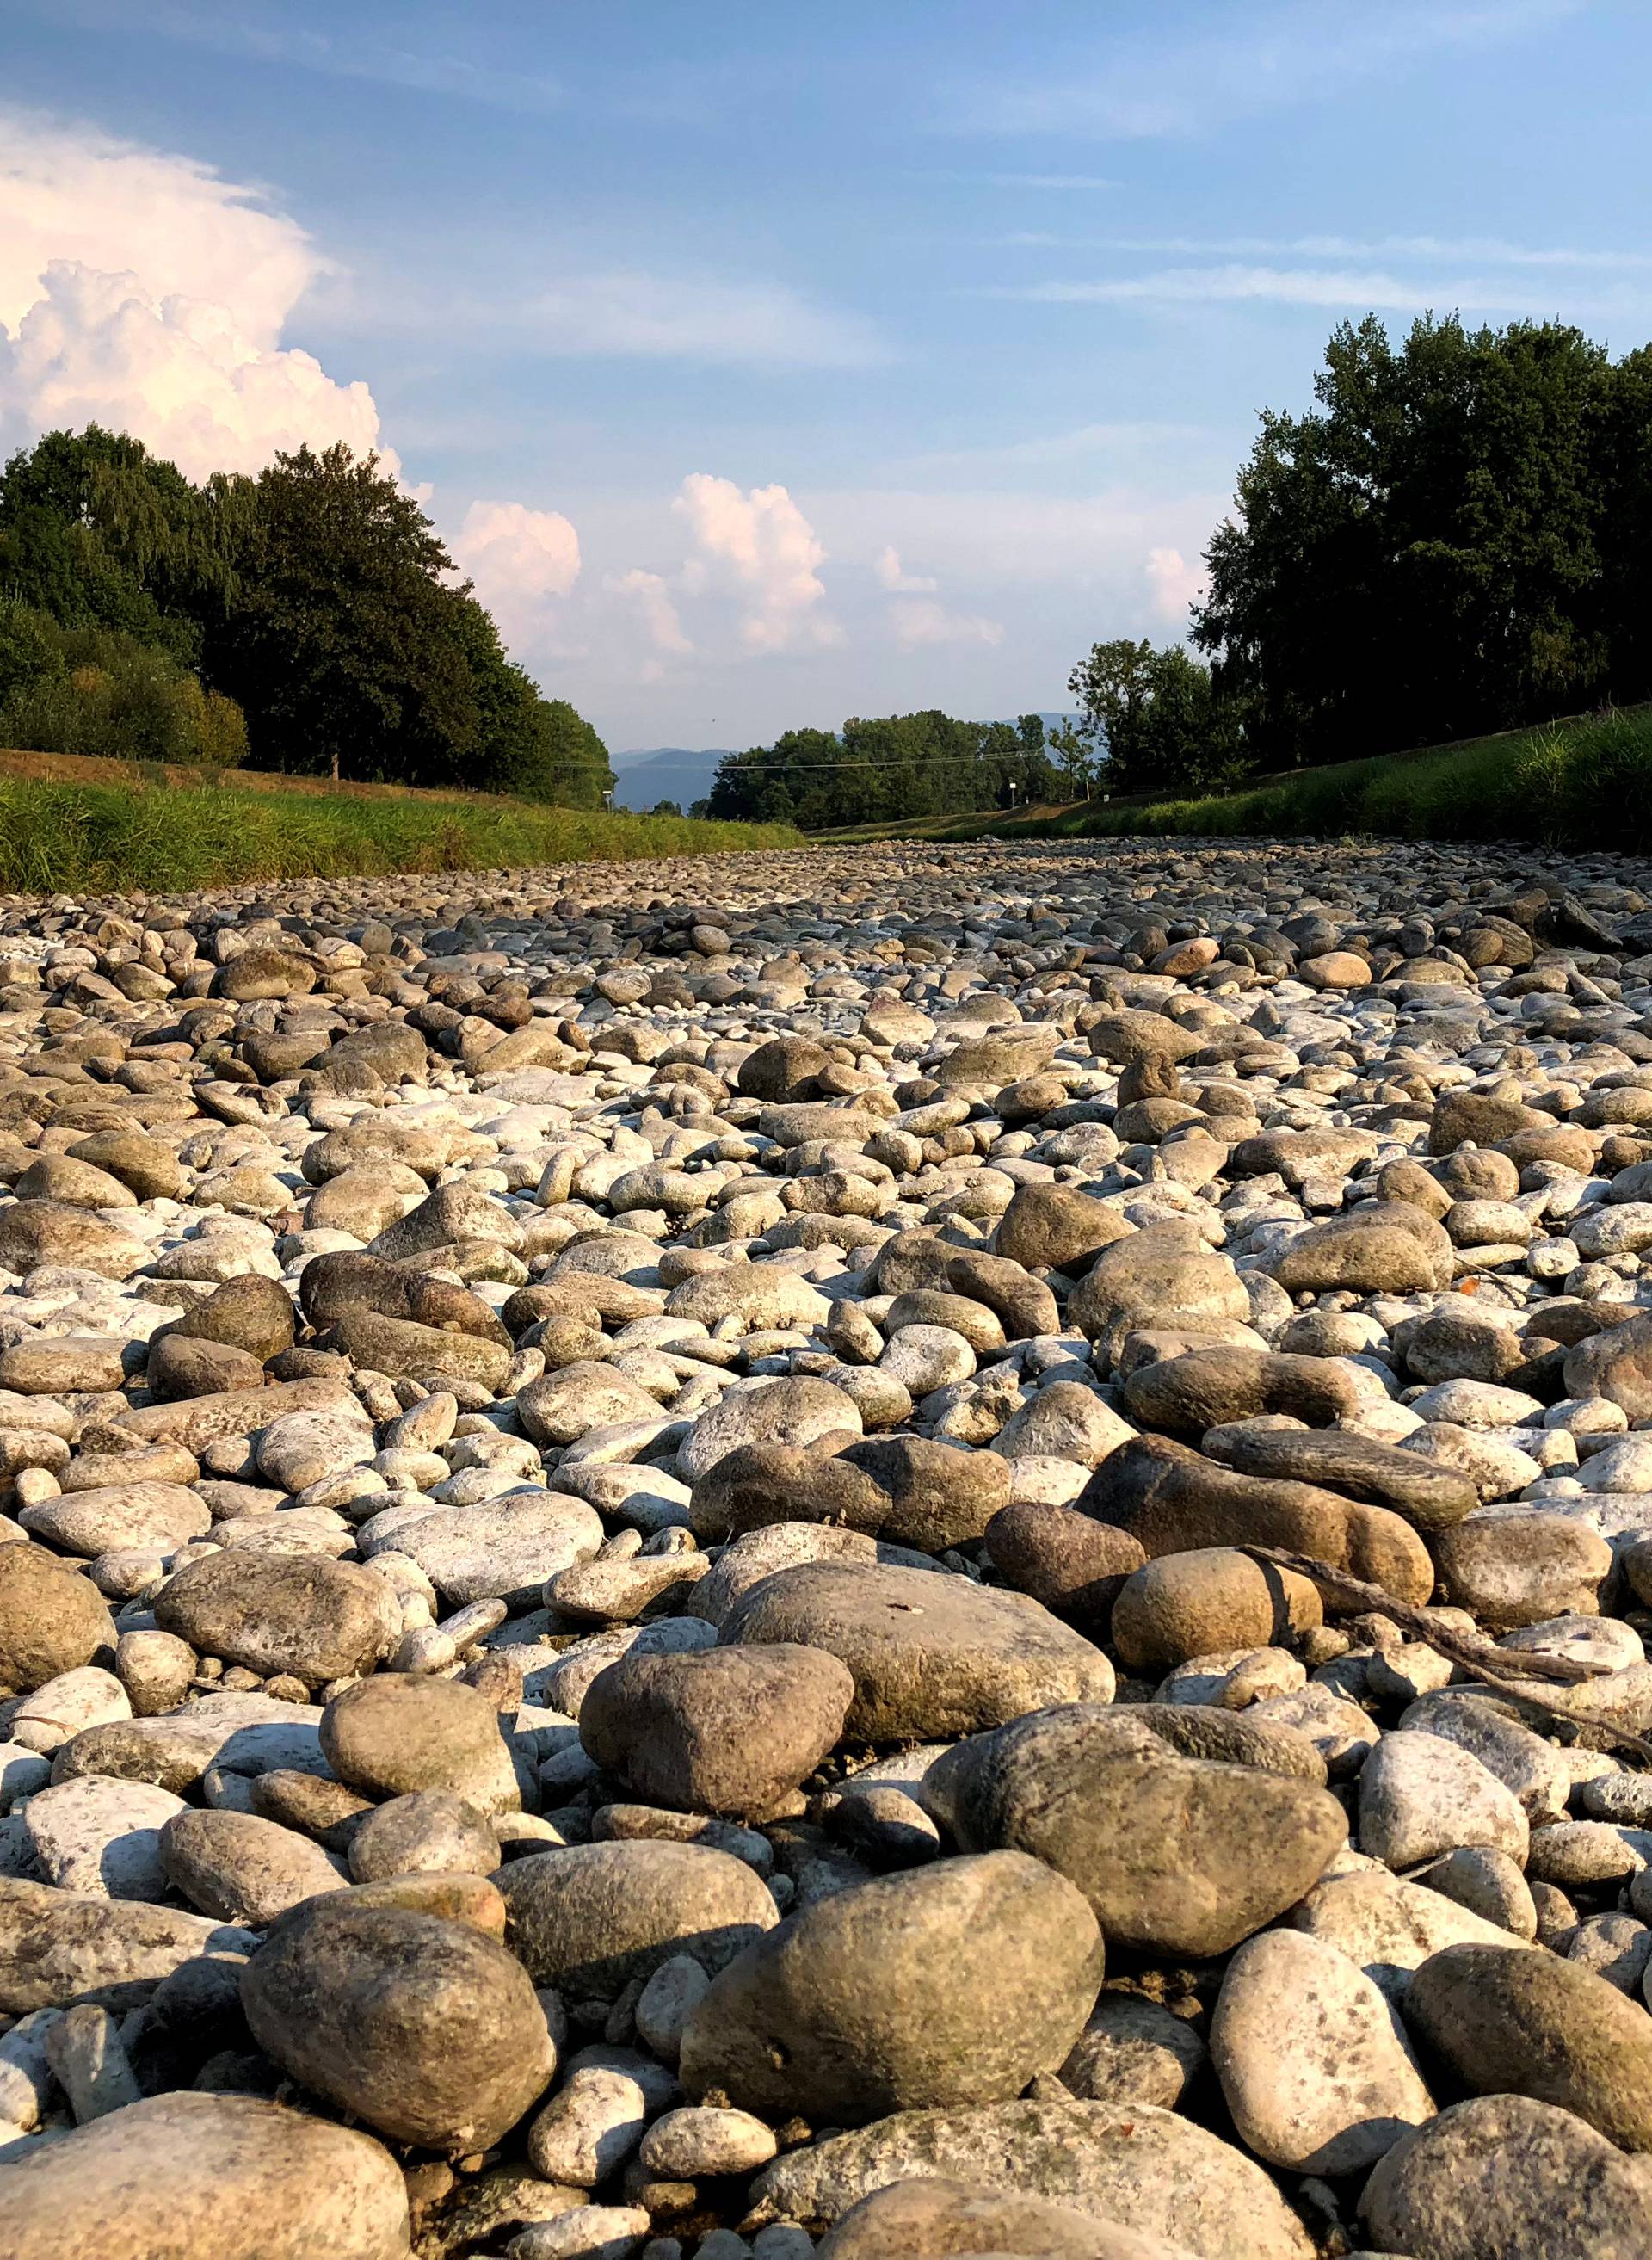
[{"x": 640, "y": 1599}]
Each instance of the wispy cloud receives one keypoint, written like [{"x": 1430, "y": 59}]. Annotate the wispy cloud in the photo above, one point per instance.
[
  {"x": 1076, "y": 181},
  {"x": 1047, "y": 180},
  {"x": 919, "y": 620},
  {"x": 1373, "y": 288},
  {"x": 583, "y": 309},
  {"x": 995, "y": 542},
  {"x": 668, "y": 317},
  {"x": 1490, "y": 251},
  {"x": 1086, "y": 442},
  {"x": 252, "y": 35},
  {"x": 890, "y": 573},
  {"x": 1149, "y": 89}
]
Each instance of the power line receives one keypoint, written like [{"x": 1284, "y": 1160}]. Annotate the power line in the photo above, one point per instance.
[{"x": 911, "y": 761}]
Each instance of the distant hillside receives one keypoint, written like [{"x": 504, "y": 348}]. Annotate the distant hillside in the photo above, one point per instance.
[
  {"x": 685, "y": 773},
  {"x": 655, "y": 773}
]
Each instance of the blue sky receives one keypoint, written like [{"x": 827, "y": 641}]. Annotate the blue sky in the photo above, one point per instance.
[{"x": 765, "y": 365}]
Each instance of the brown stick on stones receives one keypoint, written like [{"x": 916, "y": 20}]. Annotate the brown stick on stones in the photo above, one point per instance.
[
  {"x": 1510, "y": 1675},
  {"x": 1466, "y": 1649}
]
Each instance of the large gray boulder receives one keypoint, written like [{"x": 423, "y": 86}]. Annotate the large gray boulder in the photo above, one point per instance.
[
  {"x": 931, "y": 1656},
  {"x": 1182, "y": 1855},
  {"x": 58, "y": 1947},
  {"x": 1140, "y": 2169},
  {"x": 428, "y": 2031},
  {"x": 1509, "y": 2021},
  {"x": 730, "y": 1730},
  {"x": 930, "y": 2219},
  {"x": 1312, "y": 2061},
  {"x": 958, "y": 1983},
  {"x": 394, "y": 1733},
  {"x": 272, "y": 1612},
  {"x": 590, "y": 1918},
  {"x": 198, "y": 2177},
  {"x": 1504, "y": 2177}
]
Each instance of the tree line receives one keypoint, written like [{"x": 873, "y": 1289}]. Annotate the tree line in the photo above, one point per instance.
[
  {"x": 308, "y": 620},
  {"x": 1456, "y": 538},
  {"x": 884, "y": 769}
]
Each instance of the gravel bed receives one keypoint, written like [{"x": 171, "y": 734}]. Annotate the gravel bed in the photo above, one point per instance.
[{"x": 890, "y": 1552}]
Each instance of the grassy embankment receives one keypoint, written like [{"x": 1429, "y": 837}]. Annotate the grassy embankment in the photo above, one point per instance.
[
  {"x": 1578, "y": 784},
  {"x": 71, "y": 827}
]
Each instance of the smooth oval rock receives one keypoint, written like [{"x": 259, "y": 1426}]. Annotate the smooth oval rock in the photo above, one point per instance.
[
  {"x": 184, "y": 2177},
  {"x": 1175, "y": 1854},
  {"x": 680, "y": 1730},
  {"x": 1506, "y": 2175},
  {"x": 1509, "y": 2021},
  {"x": 425, "y": 2029},
  {"x": 1312, "y": 2061},
  {"x": 930, "y": 1656},
  {"x": 958, "y": 1983},
  {"x": 238, "y": 1868},
  {"x": 393, "y": 1734},
  {"x": 316, "y": 1619},
  {"x": 1135, "y": 2168},
  {"x": 591, "y": 1918},
  {"x": 51, "y": 1620}
]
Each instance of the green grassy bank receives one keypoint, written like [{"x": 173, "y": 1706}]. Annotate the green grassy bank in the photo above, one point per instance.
[
  {"x": 70, "y": 837},
  {"x": 1576, "y": 784}
]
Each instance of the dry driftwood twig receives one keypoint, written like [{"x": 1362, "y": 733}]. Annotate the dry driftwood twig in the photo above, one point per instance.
[{"x": 1509, "y": 1671}]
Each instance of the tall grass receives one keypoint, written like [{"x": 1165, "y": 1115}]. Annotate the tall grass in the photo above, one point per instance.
[
  {"x": 68, "y": 838},
  {"x": 1577, "y": 785}
]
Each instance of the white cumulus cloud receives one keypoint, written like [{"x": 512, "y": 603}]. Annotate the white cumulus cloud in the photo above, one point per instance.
[
  {"x": 73, "y": 192},
  {"x": 919, "y": 620},
  {"x": 521, "y": 561},
  {"x": 887, "y": 567},
  {"x": 757, "y": 541},
  {"x": 651, "y": 594},
  {"x": 177, "y": 373},
  {"x": 139, "y": 290},
  {"x": 918, "y": 617},
  {"x": 1173, "y": 584}
]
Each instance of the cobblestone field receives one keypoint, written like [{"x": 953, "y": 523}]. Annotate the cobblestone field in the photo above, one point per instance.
[{"x": 907, "y": 1551}]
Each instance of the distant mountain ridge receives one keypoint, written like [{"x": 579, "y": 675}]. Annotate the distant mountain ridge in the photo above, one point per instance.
[{"x": 655, "y": 773}]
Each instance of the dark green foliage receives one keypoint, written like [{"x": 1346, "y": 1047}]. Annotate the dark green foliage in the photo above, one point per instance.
[
  {"x": 31, "y": 645},
  {"x": 1149, "y": 721},
  {"x": 97, "y": 533},
  {"x": 342, "y": 646},
  {"x": 1626, "y": 537},
  {"x": 318, "y": 599},
  {"x": 99, "y": 691},
  {"x": 563, "y": 760},
  {"x": 1456, "y": 538},
  {"x": 536, "y": 748},
  {"x": 898, "y": 765}
]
